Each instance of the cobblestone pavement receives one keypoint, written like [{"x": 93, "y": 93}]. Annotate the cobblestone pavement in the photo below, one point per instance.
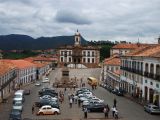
[{"x": 128, "y": 110}]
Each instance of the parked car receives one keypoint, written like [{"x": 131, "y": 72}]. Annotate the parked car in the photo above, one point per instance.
[
  {"x": 38, "y": 84},
  {"x": 98, "y": 107},
  {"x": 27, "y": 92},
  {"x": 48, "y": 93},
  {"x": 87, "y": 102},
  {"x": 15, "y": 115},
  {"x": 152, "y": 109},
  {"x": 43, "y": 102},
  {"x": 19, "y": 96},
  {"x": 117, "y": 92},
  {"x": 48, "y": 110},
  {"x": 47, "y": 90},
  {"x": 49, "y": 97},
  {"x": 45, "y": 80},
  {"x": 18, "y": 105}
]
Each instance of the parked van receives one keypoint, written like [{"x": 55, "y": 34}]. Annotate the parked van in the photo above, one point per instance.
[
  {"x": 18, "y": 96},
  {"x": 92, "y": 81}
]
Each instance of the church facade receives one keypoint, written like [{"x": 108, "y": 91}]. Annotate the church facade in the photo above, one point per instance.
[{"x": 78, "y": 56}]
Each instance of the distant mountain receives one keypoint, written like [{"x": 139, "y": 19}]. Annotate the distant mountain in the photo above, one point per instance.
[{"x": 25, "y": 42}]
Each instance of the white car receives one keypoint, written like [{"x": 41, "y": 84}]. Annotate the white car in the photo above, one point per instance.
[
  {"x": 48, "y": 110},
  {"x": 98, "y": 100},
  {"x": 89, "y": 94},
  {"x": 49, "y": 97},
  {"x": 45, "y": 80},
  {"x": 18, "y": 105},
  {"x": 37, "y": 84},
  {"x": 87, "y": 102}
]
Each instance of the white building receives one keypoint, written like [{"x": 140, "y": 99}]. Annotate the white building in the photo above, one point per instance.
[
  {"x": 112, "y": 71},
  {"x": 26, "y": 72},
  {"x": 78, "y": 56},
  {"x": 7, "y": 79},
  {"x": 124, "y": 48},
  {"x": 141, "y": 73}
]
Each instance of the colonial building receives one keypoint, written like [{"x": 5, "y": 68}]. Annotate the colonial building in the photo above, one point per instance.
[
  {"x": 124, "y": 48},
  {"x": 112, "y": 71},
  {"x": 7, "y": 79},
  {"x": 78, "y": 56},
  {"x": 141, "y": 73},
  {"x": 26, "y": 72}
]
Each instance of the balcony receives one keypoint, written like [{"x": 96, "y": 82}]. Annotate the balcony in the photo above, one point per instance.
[
  {"x": 8, "y": 81},
  {"x": 146, "y": 74},
  {"x": 151, "y": 75},
  {"x": 77, "y": 55},
  {"x": 157, "y": 77}
]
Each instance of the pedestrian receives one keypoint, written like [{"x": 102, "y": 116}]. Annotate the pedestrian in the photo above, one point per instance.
[
  {"x": 116, "y": 114},
  {"x": 85, "y": 112},
  {"x": 113, "y": 111},
  {"x": 92, "y": 87},
  {"x": 33, "y": 109},
  {"x": 115, "y": 102},
  {"x": 70, "y": 102},
  {"x": 106, "y": 111},
  {"x": 79, "y": 102},
  {"x": 75, "y": 99}
]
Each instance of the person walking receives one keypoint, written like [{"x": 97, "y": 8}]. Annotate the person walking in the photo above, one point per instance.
[
  {"x": 116, "y": 114},
  {"x": 33, "y": 109},
  {"x": 70, "y": 102},
  {"x": 85, "y": 112},
  {"x": 79, "y": 102},
  {"x": 106, "y": 111},
  {"x": 115, "y": 102},
  {"x": 113, "y": 111}
]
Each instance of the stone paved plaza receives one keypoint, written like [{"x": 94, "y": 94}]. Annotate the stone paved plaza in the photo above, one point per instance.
[{"x": 128, "y": 110}]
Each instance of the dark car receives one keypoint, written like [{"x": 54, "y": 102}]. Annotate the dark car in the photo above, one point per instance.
[
  {"x": 97, "y": 107},
  {"x": 27, "y": 92},
  {"x": 118, "y": 92},
  {"x": 48, "y": 90},
  {"x": 48, "y": 93},
  {"x": 47, "y": 102},
  {"x": 15, "y": 115}
]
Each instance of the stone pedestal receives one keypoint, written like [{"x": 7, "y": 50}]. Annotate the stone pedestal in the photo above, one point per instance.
[{"x": 65, "y": 81}]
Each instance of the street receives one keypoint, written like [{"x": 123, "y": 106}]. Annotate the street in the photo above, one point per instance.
[{"x": 128, "y": 110}]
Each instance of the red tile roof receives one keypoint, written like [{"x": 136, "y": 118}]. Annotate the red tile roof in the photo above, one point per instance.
[
  {"x": 5, "y": 67},
  {"x": 147, "y": 51},
  {"x": 112, "y": 61},
  {"x": 21, "y": 63},
  {"x": 128, "y": 46}
]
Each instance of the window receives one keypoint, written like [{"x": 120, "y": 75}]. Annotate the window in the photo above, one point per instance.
[
  {"x": 151, "y": 83},
  {"x": 61, "y": 59},
  {"x": 61, "y": 52},
  {"x": 69, "y": 59},
  {"x": 93, "y": 54},
  {"x": 157, "y": 85},
  {"x": 88, "y": 53},
  {"x": 145, "y": 81},
  {"x": 92, "y": 60},
  {"x": 84, "y": 53},
  {"x": 84, "y": 60},
  {"x": 88, "y": 60}
]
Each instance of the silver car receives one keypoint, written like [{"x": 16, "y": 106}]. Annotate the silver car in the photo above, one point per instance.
[
  {"x": 152, "y": 109},
  {"x": 18, "y": 105}
]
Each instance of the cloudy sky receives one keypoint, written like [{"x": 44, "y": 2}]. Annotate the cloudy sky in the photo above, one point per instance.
[{"x": 95, "y": 19}]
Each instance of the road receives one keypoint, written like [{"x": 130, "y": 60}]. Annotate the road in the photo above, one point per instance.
[{"x": 128, "y": 110}]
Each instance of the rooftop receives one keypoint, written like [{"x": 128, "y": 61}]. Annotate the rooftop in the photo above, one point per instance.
[
  {"x": 128, "y": 46},
  {"x": 5, "y": 67}
]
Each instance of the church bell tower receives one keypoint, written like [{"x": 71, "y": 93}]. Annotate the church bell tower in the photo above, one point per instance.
[{"x": 77, "y": 39}]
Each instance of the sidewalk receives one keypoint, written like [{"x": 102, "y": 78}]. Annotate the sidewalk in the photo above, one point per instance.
[{"x": 136, "y": 100}]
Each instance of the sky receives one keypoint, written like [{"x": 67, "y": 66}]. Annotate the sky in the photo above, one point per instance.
[{"x": 115, "y": 20}]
